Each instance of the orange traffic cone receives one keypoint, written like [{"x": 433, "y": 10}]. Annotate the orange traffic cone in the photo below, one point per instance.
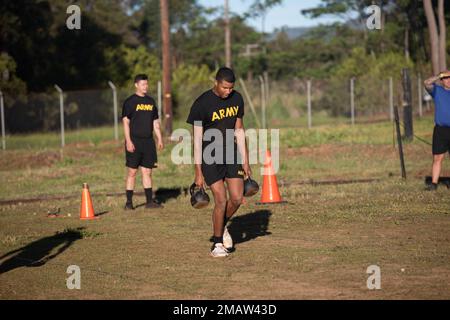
[
  {"x": 87, "y": 210},
  {"x": 270, "y": 192}
]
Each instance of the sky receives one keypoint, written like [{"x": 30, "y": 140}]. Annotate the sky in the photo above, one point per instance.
[{"x": 286, "y": 14}]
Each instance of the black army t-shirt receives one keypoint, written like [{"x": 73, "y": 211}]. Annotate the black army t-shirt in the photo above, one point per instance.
[
  {"x": 212, "y": 112},
  {"x": 141, "y": 111}
]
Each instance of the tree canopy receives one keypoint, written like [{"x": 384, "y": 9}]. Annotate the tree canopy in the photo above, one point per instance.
[{"x": 119, "y": 38}]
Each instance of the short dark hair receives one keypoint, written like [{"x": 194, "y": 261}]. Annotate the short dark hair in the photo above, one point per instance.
[
  {"x": 225, "y": 74},
  {"x": 140, "y": 77}
]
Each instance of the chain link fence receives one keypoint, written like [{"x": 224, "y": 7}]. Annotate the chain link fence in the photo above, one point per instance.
[
  {"x": 287, "y": 103},
  {"x": 331, "y": 101}
]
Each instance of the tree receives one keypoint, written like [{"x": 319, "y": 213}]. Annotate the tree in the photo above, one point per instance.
[
  {"x": 343, "y": 9},
  {"x": 34, "y": 34},
  {"x": 10, "y": 84},
  {"x": 434, "y": 40},
  {"x": 204, "y": 44},
  {"x": 399, "y": 30},
  {"x": 25, "y": 36},
  {"x": 259, "y": 8},
  {"x": 437, "y": 36},
  {"x": 146, "y": 19},
  {"x": 140, "y": 60},
  {"x": 442, "y": 37}
]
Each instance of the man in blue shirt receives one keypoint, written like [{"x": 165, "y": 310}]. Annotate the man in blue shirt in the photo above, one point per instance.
[{"x": 439, "y": 89}]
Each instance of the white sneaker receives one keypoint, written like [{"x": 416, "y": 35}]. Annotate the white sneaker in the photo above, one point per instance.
[
  {"x": 227, "y": 239},
  {"x": 219, "y": 251}
]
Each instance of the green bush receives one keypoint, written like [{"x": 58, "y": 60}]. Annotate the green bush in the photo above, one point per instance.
[{"x": 188, "y": 82}]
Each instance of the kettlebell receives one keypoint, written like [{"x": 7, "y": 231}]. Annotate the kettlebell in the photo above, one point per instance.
[
  {"x": 199, "y": 197},
  {"x": 251, "y": 187}
]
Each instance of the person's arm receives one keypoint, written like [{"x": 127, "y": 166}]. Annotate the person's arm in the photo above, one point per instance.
[
  {"x": 239, "y": 133},
  {"x": 198, "y": 140},
  {"x": 126, "y": 131},
  {"x": 428, "y": 83},
  {"x": 157, "y": 129}
]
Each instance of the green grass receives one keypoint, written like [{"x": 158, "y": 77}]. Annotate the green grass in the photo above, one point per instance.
[
  {"x": 319, "y": 245},
  {"x": 53, "y": 139}
]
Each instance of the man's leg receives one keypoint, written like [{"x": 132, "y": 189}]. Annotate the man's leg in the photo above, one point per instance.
[
  {"x": 439, "y": 149},
  {"x": 146, "y": 177},
  {"x": 236, "y": 192},
  {"x": 437, "y": 165},
  {"x": 130, "y": 182},
  {"x": 147, "y": 183},
  {"x": 220, "y": 204}
]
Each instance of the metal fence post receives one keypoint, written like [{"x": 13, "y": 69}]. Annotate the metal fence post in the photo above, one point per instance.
[
  {"x": 352, "y": 99},
  {"x": 309, "y": 104},
  {"x": 266, "y": 80},
  {"x": 419, "y": 93},
  {"x": 61, "y": 112},
  {"x": 391, "y": 98},
  {"x": 250, "y": 102},
  {"x": 116, "y": 125},
  {"x": 263, "y": 102},
  {"x": 407, "y": 105},
  {"x": 2, "y": 111}
]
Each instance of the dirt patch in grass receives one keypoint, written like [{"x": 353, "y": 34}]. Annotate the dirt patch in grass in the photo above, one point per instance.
[
  {"x": 330, "y": 150},
  {"x": 319, "y": 252},
  {"x": 82, "y": 144},
  {"x": 317, "y": 247},
  {"x": 21, "y": 159},
  {"x": 16, "y": 160}
]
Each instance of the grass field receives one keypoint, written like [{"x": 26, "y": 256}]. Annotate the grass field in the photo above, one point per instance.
[{"x": 318, "y": 246}]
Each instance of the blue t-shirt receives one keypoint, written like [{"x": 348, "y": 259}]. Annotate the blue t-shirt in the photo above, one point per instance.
[{"x": 441, "y": 98}]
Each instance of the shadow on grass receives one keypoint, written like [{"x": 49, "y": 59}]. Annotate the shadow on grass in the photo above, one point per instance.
[
  {"x": 101, "y": 213},
  {"x": 442, "y": 180},
  {"x": 163, "y": 195},
  {"x": 249, "y": 226},
  {"x": 38, "y": 253}
]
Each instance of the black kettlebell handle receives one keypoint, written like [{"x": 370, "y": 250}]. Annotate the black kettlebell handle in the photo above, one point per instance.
[{"x": 192, "y": 189}]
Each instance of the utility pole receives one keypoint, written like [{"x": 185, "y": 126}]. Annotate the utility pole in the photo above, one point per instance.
[
  {"x": 167, "y": 87},
  {"x": 227, "y": 36}
]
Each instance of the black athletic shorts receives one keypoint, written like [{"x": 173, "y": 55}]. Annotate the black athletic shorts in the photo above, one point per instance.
[
  {"x": 215, "y": 172},
  {"x": 441, "y": 140},
  {"x": 144, "y": 154}
]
